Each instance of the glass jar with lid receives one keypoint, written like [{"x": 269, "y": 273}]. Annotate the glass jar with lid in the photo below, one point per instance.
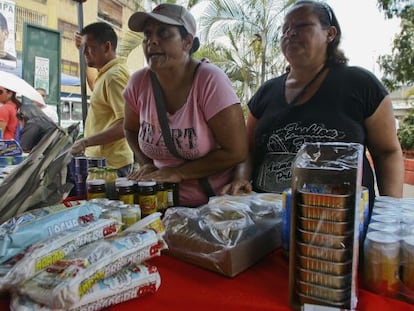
[
  {"x": 96, "y": 189},
  {"x": 147, "y": 197},
  {"x": 126, "y": 191},
  {"x": 110, "y": 178}
]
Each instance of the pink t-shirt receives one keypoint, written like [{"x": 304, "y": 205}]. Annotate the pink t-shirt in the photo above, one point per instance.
[
  {"x": 211, "y": 92},
  {"x": 8, "y": 114}
]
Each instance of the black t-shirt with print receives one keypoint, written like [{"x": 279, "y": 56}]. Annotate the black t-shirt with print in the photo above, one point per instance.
[{"x": 336, "y": 113}]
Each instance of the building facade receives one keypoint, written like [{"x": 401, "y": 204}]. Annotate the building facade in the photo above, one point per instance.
[{"x": 62, "y": 15}]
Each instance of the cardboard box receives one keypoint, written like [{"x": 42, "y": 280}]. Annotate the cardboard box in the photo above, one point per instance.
[
  {"x": 228, "y": 261},
  {"x": 223, "y": 239}
]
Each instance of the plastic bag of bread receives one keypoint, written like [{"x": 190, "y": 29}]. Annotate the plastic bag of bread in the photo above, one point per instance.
[
  {"x": 19, "y": 232},
  {"x": 130, "y": 283},
  {"x": 39, "y": 256},
  {"x": 65, "y": 282}
]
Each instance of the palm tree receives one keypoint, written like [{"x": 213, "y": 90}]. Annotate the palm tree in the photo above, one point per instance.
[
  {"x": 130, "y": 39},
  {"x": 246, "y": 34}
]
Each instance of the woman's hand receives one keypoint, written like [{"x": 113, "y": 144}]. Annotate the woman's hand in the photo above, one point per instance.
[
  {"x": 166, "y": 174},
  {"x": 237, "y": 186},
  {"x": 143, "y": 170}
]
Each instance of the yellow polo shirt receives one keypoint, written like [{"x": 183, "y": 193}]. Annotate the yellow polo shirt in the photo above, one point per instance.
[{"x": 106, "y": 107}]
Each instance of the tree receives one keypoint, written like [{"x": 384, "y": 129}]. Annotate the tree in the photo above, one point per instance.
[
  {"x": 398, "y": 67},
  {"x": 245, "y": 35}
]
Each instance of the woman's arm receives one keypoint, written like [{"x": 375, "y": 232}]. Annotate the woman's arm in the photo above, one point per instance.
[
  {"x": 243, "y": 174},
  {"x": 229, "y": 131},
  {"x": 385, "y": 150},
  {"x": 131, "y": 128}
]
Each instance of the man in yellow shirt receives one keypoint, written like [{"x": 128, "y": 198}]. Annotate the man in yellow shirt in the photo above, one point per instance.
[{"x": 104, "y": 132}]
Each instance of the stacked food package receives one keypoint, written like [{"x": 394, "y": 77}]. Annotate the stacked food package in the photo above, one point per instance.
[
  {"x": 74, "y": 259},
  {"x": 325, "y": 219}
]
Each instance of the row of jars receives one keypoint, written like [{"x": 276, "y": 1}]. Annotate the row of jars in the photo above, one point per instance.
[{"x": 150, "y": 196}]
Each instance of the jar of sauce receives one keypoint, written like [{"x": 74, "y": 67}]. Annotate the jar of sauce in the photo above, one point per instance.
[
  {"x": 126, "y": 191},
  {"x": 96, "y": 189},
  {"x": 147, "y": 197}
]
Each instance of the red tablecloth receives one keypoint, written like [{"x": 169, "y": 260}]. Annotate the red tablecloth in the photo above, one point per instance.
[{"x": 262, "y": 287}]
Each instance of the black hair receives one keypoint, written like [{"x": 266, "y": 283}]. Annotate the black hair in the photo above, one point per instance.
[
  {"x": 14, "y": 99},
  {"x": 3, "y": 23},
  {"x": 327, "y": 18},
  {"x": 31, "y": 111},
  {"x": 102, "y": 32},
  {"x": 196, "y": 42}
]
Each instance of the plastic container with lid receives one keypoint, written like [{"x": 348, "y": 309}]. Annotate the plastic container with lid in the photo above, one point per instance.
[
  {"x": 129, "y": 216},
  {"x": 381, "y": 263},
  {"x": 96, "y": 189},
  {"x": 384, "y": 227},
  {"x": 407, "y": 266},
  {"x": 137, "y": 210},
  {"x": 147, "y": 197},
  {"x": 152, "y": 221}
]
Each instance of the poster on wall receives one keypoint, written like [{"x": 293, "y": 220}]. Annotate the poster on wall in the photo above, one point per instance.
[
  {"x": 41, "y": 74},
  {"x": 7, "y": 34}
]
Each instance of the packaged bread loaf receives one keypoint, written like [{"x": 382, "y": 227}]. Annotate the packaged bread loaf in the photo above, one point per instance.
[
  {"x": 130, "y": 283},
  {"x": 36, "y": 225},
  {"x": 41, "y": 255},
  {"x": 65, "y": 282}
]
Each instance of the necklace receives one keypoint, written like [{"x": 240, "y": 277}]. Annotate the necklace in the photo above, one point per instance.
[{"x": 305, "y": 88}]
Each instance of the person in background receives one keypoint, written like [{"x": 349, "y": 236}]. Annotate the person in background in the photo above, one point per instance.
[
  {"x": 8, "y": 109},
  {"x": 4, "y": 33},
  {"x": 319, "y": 99},
  {"x": 34, "y": 126},
  {"x": 91, "y": 72},
  {"x": 104, "y": 131},
  {"x": 204, "y": 115},
  {"x": 48, "y": 110}
]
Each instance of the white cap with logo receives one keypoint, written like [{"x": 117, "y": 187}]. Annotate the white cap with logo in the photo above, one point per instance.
[{"x": 167, "y": 13}]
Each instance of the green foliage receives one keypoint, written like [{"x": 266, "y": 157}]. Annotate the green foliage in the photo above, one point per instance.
[
  {"x": 246, "y": 37},
  {"x": 398, "y": 67},
  {"x": 406, "y": 132}
]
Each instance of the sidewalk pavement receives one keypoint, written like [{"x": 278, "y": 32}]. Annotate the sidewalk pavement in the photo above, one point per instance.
[{"x": 408, "y": 191}]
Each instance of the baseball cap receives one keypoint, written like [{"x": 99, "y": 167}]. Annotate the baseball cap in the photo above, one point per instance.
[{"x": 167, "y": 13}]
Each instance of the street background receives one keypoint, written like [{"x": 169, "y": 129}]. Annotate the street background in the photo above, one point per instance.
[{"x": 408, "y": 191}]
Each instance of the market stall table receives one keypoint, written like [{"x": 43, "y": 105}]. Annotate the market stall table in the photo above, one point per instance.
[{"x": 263, "y": 287}]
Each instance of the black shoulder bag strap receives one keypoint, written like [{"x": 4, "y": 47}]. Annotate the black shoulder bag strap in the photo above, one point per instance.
[{"x": 166, "y": 132}]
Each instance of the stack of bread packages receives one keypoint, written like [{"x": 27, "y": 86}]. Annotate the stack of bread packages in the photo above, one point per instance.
[
  {"x": 325, "y": 220},
  {"x": 59, "y": 258}
]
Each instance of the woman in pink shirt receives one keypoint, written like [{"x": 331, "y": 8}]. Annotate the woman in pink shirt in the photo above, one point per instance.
[
  {"x": 9, "y": 105},
  {"x": 203, "y": 112}
]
